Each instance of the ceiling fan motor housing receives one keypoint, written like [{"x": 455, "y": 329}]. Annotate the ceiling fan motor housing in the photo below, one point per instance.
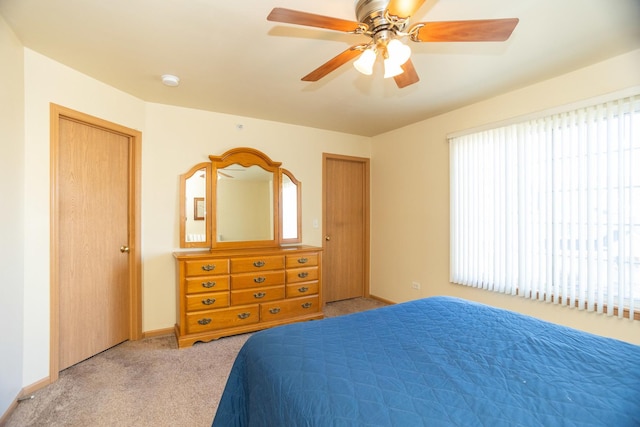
[
  {"x": 379, "y": 28},
  {"x": 364, "y": 8}
]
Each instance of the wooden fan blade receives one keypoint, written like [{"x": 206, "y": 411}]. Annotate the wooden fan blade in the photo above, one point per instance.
[
  {"x": 331, "y": 65},
  {"x": 289, "y": 16},
  {"x": 403, "y": 8},
  {"x": 409, "y": 77},
  {"x": 483, "y": 30}
]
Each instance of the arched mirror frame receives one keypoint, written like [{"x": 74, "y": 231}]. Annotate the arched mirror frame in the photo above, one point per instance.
[
  {"x": 247, "y": 157},
  {"x": 298, "y": 184},
  {"x": 184, "y": 243}
]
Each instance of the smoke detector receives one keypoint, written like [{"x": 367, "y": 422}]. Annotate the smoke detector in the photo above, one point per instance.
[{"x": 170, "y": 80}]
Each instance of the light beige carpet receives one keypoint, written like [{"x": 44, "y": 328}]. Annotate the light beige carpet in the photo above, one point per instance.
[{"x": 146, "y": 383}]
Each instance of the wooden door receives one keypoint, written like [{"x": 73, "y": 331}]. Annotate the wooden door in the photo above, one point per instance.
[
  {"x": 346, "y": 227},
  {"x": 97, "y": 301}
]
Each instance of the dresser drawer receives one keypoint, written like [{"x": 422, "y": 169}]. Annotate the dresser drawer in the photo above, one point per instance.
[
  {"x": 302, "y": 260},
  {"x": 302, "y": 289},
  {"x": 289, "y": 308},
  {"x": 254, "y": 280},
  {"x": 253, "y": 296},
  {"x": 207, "y": 301},
  {"x": 220, "y": 319},
  {"x": 207, "y": 267},
  {"x": 302, "y": 274},
  {"x": 207, "y": 284},
  {"x": 244, "y": 265}
]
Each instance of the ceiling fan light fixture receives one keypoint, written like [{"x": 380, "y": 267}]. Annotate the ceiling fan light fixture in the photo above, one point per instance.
[
  {"x": 391, "y": 68},
  {"x": 398, "y": 52},
  {"x": 364, "y": 64}
]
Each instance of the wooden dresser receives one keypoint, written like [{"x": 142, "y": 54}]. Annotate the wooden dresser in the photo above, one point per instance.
[{"x": 233, "y": 291}]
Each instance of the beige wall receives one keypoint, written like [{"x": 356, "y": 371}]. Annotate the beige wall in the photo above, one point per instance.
[
  {"x": 11, "y": 215},
  {"x": 410, "y": 206}
]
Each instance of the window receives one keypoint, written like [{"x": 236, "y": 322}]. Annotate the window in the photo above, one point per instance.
[{"x": 550, "y": 208}]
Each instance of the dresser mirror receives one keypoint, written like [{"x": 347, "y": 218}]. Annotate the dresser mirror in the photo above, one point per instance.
[
  {"x": 244, "y": 204},
  {"x": 195, "y": 207},
  {"x": 247, "y": 201}
]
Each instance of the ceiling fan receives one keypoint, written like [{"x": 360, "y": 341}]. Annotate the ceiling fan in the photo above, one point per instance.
[{"x": 386, "y": 22}]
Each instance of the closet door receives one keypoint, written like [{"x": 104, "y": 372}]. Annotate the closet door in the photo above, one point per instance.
[
  {"x": 95, "y": 296},
  {"x": 346, "y": 227}
]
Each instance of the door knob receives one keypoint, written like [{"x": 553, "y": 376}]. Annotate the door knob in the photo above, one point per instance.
[
  {"x": 327, "y": 237},
  {"x": 124, "y": 249}
]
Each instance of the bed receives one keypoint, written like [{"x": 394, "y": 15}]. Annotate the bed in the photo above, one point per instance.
[{"x": 436, "y": 361}]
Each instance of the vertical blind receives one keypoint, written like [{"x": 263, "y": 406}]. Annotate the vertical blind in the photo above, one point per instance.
[{"x": 549, "y": 208}]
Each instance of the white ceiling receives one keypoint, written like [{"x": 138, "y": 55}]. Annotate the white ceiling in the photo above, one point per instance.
[{"x": 232, "y": 60}]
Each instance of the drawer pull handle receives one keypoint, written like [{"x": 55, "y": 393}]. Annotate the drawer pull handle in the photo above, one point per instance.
[
  {"x": 208, "y": 267},
  {"x": 260, "y": 295},
  {"x": 303, "y": 274},
  {"x": 302, "y": 260},
  {"x": 208, "y": 301},
  {"x": 303, "y": 289},
  {"x": 274, "y": 310},
  {"x": 204, "y": 321},
  {"x": 244, "y": 315},
  {"x": 259, "y": 264},
  {"x": 259, "y": 279},
  {"x": 306, "y": 305},
  {"x": 208, "y": 284}
]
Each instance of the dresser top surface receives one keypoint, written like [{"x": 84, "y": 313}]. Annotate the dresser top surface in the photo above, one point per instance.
[{"x": 225, "y": 253}]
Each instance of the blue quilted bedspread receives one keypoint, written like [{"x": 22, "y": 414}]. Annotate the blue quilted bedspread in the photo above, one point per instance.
[{"x": 436, "y": 361}]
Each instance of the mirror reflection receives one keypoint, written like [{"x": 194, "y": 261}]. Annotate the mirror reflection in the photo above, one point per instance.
[
  {"x": 244, "y": 203},
  {"x": 290, "y": 226},
  {"x": 195, "y": 204}
]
